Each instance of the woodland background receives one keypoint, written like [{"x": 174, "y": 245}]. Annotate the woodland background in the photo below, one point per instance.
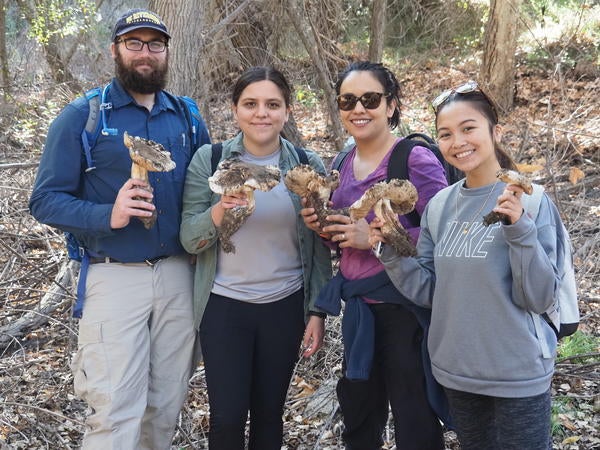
[{"x": 538, "y": 58}]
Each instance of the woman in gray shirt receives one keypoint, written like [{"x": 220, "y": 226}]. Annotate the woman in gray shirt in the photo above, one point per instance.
[
  {"x": 485, "y": 285},
  {"x": 253, "y": 306}
]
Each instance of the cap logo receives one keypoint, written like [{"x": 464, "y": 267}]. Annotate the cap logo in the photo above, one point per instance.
[{"x": 143, "y": 16}]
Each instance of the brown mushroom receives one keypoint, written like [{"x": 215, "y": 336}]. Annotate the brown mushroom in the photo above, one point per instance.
[
  {"x": 304, "y": 181},
  {"x": 388, "y": 200},
  {"x": 510, "y": 177},
  {"x": 236, "y": 176},
  {"x": 147, "y": 156}
]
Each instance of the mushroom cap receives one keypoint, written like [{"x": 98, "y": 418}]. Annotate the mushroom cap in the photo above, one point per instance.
[
  {"x": 514, "y": 177},
  {"x": 233, "y": 175},
  {"x": 401, "y": 194},
  {"x": 304, "y": 180},
  {"x": 148, "y": 154}
]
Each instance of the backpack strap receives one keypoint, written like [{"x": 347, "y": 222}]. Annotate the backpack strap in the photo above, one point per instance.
[
  {"x": 302, "y": 156},
  {"x": 338, "y": 160},
  {"x": 215, "y": 158},
  {"x": 90, "y": 132},
  {"x": 398, "y": 168},
  {"x": 193, "y": 118}
]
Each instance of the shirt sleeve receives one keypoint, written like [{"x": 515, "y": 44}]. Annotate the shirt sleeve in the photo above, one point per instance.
[
  {"x": 198, "y": 232},
  {"x": 54, "y": 199},
  {"x": 532, "y": 250}
]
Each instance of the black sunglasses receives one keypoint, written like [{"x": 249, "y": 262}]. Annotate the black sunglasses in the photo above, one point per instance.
[{"x": 370, "y": 100}]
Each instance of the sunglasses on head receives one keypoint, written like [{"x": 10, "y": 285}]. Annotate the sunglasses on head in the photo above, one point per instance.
[
  {"x": 469, "y": 86},
  {"x": 369, "y": 100}
]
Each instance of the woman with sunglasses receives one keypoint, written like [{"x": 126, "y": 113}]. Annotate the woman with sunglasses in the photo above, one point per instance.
[
  {"x": 253, "y": 306},
  {"x": 483, "y": 283},
  {"x": 369, "y": 104}
]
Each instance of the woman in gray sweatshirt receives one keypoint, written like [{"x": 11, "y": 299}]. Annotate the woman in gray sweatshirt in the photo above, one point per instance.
[{"x": 485, "y": 285}]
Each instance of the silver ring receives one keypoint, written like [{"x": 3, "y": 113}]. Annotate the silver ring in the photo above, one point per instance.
[{"x": 343, "y": 236}]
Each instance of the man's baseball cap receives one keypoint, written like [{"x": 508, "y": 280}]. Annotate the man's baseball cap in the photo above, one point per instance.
[{"x": 135, "y": 19}]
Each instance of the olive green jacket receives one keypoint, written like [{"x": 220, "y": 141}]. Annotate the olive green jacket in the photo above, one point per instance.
[{"x": 198, "y": 233}]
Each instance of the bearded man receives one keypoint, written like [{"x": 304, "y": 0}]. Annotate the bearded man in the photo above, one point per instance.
[{"x": 136, "y": 332}]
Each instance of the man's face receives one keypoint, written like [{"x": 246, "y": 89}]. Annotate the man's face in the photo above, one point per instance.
[{"x": 141, "y": 71}]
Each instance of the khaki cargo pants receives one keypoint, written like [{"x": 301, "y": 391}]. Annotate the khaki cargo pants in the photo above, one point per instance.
[{"x": 136, "y": 338}]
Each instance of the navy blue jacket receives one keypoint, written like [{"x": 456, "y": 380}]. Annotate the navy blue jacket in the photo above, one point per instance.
[
  {"x": 66, "y": 197},
  {"x": 358, "y": 328}
]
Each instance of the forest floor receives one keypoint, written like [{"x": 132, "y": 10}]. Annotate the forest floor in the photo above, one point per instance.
[{"x": 552, "y": 132}]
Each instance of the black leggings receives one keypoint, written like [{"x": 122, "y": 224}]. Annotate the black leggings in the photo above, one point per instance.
[
  {"x": 249, "y": 355},
  {"x": 396, "y": 379},
  {"x": 497, "y": 423}
]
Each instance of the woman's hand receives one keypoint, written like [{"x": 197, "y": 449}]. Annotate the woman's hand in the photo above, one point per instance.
[
  {"x": 310, "y": 218},
  {"x": 313, "y": 336},
  {"x": 347, "y": 233},
  {"x": 227, "y": 202},
  {"x": 509, "y": 203},
  {"x": 375, "y": 234}
]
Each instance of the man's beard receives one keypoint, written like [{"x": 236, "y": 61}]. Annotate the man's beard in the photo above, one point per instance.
[{"x": 149, "y": 83}]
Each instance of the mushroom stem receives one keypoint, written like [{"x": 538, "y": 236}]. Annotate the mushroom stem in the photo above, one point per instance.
[{"x": 139, "y": 173}]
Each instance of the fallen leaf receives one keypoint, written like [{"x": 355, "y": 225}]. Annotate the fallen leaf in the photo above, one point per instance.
[
  {"x": 571, "y": 440},
  {"x": 575, "y": 174},
  {"x": 529, "y": 168}
]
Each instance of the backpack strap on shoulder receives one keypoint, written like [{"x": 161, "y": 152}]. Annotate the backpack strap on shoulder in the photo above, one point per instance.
[
  {"x": 215, "y": 158},
  {"x": 338, "y": 160},
  {"x": 398, "y": 168},
  {"x": 192, "y": 117},
  {"x": 90, "y": 132},
  {"x": 302, "y": 156}
]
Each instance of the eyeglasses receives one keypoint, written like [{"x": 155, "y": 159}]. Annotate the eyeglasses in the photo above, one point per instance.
[
  {"x": 370, "y": 100},
  {"x": 469, "y": 86},
  {"x": 137, "y": 45}
]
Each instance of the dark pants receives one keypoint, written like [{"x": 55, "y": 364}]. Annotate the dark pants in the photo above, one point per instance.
[
  {"x": 249, "y": 355},
  {"x": 497, "y": 423},
  {"x": 396, "y": 379}
]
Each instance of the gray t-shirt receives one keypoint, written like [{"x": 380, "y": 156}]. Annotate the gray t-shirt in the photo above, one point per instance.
[{"x": 266, "y": 265}]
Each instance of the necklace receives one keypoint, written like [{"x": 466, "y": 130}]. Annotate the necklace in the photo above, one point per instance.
[{"x": 467, "y": 226}]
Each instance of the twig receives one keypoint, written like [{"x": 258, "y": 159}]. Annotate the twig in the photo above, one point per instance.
[
  {"x": 18, "y": 165},
  {"x": 52, "y": 413}
]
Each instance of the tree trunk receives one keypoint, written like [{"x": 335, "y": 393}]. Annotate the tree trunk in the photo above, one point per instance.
[
  {"x": 377, "y": 32},
  {"x": 4, "y": 74},
  {"x": 184, "y": 24},
  {"x": 305, "y": 31},
  {"x": 52, "y": 48},
  {"x": 497, "y": 73}
]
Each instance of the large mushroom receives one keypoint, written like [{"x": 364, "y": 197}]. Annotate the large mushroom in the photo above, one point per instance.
[
  {"x": 147, "y": 156},
  {"x": 509, "y": 177},
  {"x": 388, "y": 200},
  {"x": 304, "y": 181},
  {"x": 236, "y": 176}
]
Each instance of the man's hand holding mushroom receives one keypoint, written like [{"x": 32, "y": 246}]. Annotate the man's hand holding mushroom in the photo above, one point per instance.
[{"x": 133, "y": 200}]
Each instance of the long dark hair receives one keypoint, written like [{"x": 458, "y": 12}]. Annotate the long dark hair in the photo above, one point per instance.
[
  {"x": 261, "y": 73},
  {"x": 482, "y": 103},
  {"x": 385, "y": 76}
]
